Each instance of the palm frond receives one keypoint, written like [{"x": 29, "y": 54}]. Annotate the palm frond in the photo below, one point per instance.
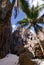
[
  {"x": 24, "y": 25},
  {"x": 40, "y": 27},
  {"x": 23, "y": 22},
  {"x": 35, "y": 10},
  {"x": 36, "y": 29},
  {"x": 25, "y": 7},
  {"x": 34, "y": 13},
  {"x": 40, "y": 20},
  {"x": 40, "y": 7},
  {"x": 29, "y": 26}
]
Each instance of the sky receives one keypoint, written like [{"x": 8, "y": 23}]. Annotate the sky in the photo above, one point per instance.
[{"x": 21, "y": 14}]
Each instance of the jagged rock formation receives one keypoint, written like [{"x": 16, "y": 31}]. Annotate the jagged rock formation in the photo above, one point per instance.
[
  {"x": 24, "y": 39},
  {"x": 17, "y": 44}
]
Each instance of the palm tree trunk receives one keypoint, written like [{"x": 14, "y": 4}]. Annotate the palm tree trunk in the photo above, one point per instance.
[{"x": 40, "y": 44}]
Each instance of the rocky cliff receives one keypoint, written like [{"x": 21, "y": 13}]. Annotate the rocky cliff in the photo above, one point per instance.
[{"x": 23, "y": 40}]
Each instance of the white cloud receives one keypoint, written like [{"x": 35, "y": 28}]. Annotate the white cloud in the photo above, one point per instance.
[
  {"x": 14, "y": 27},
  {"x": 35, "y": 2},
  {"x": 38, "y": 1}
]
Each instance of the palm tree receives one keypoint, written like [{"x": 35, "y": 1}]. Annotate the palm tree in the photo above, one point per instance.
[{"x": 32, "y": 19}]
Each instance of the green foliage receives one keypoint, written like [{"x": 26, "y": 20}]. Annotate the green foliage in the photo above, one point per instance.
[
  {"x": 32, "y": 14},
  {"x": 25, "y": 7},
  {"x": 23, "y": 22}
]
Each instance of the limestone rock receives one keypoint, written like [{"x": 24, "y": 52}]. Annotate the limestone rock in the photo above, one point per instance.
[
  {"x": 25, "y": 60},
  {"x": 24, "y": 38}
]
